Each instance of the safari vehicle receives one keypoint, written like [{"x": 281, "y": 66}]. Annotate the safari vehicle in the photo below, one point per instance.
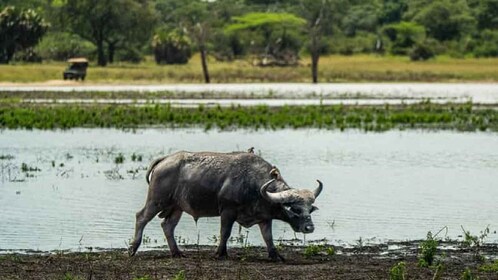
[{"x": 77, "y": 69}]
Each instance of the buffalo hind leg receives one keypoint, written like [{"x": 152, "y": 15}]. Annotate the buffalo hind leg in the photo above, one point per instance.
[
  {"x": 143, "y": 217},
  {"x": 168, "y": 226},
  {"x": 265, "y": 228},
  {"x": 227, "y": 220}
]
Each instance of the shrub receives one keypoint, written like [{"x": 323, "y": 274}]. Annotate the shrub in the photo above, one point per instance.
[
  {"x": 428, "y": 251},
  {"x": 403, "y": 36},
  {"x": 60, "y": 46},
  {"x": 173, "y": 47},
  {"x": 487, "y": 46},
  {"x": 398, "y": 272},
  {"x": 421, "y": 51},
  {"x": 129, "y": 54}
]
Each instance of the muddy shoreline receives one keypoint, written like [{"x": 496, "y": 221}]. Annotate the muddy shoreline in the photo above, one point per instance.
[{"x": 351, "y": 262}]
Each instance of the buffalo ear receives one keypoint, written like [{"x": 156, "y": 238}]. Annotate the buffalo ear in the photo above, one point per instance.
[
  {"x": 313, "y": 209},
  {"x": 275, "y": 173}
]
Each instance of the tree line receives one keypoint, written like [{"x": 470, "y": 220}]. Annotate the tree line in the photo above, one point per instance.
[{"x": 270, "y": 32}]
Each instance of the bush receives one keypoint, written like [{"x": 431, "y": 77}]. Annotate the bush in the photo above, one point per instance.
[
  {"x": 130, "y": 54},
  {"x": 228, "y": 47},
  {"x": 487, "y": 45},
  {"x": 60, "y": 46},
  {"x": 421, "y": 51},
  {"x": 173, "y": 47},
  {"x": 404, "y": 35}
]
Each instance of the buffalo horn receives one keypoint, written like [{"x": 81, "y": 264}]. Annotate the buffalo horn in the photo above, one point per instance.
[
  {"x": 280, "y": 197},
  {"x": 319, "y": 189}
]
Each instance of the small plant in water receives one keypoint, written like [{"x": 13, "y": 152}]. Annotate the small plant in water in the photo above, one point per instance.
[
  {"x": 475, "y": 242},
  {"x": 398, "y": 272},
  {"x": 180, "y": 275},
  {"x": 428, "y": 251},
  {"x": 119, "y": 159},
  {"x": 468, "y": 275},
  {"x": 316, "y": 249},
  {"x": 490, "y": 267},
  {"x": 146, "y": 277}
]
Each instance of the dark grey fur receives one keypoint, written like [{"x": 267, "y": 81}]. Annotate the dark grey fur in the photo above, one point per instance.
[{"x": 222, "y": 184}]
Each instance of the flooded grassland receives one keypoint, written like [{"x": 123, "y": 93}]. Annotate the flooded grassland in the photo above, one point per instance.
[{"x": 72, "y": 178}]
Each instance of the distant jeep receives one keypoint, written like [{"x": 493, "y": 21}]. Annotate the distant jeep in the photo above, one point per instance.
[{"x": 76, "y": 70}]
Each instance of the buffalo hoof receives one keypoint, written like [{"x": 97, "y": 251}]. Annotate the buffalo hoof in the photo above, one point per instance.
[
  {"x": 178, "y": 255},
  {"x": 131, "y": 251},
  {"x": 275, "y": 257},
  {"x": 221, "y": 257}
]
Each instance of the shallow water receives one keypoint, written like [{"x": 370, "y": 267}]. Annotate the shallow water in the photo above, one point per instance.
[
  {"x": 395, "y": 185},
  {"x": 486, "y": 93}
]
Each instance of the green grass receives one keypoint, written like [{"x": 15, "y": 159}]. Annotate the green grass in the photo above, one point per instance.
[
  {"x": 334, "y": 68},
  {"x": 368, "y": 118}
]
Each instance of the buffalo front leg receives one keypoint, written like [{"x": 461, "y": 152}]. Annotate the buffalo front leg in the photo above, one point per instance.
[
  {"x": 227, "y": 220},
  {"x": 143, "y": 217},
  {"x": 266, "y": 231},
  {"x": 168, "y": 226}
]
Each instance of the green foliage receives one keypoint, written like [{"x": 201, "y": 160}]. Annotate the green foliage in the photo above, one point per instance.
[
  {"x": 61, "y": 46},
  {"x": 317, "y": 249},
  {"x": 267, "y": 21},
  {"x": 398, "y": 272},
  {"x": 172, "y": 47},
  {"x": 487, "y": 44},
  {"x": 468, "y": 275},
  {"x": 489, "y": 267},
  {"x": 119, "y": 159},
  {"x": 421, "y": 51},
  {"x": 146, "y": 277},
  {"x": 446, "y": 19},
  {"x": 19, "y": 30},
  {"x": 426, "y": 115},
  {"x": 475, "y": 242},
  {"x": 403, "y": 36},
  {"x": 428, "y": 250},
  {"x": 110, "y": 25},
  {"x": 180, "y": 275}
]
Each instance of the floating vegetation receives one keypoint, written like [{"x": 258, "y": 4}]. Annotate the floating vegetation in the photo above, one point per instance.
[{"x": 426, "y": 115}]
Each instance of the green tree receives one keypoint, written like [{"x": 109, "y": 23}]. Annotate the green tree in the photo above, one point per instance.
[
  {"x": 404, "y": 35},
  {"x": 487, "y": 14},
  {"x": 319, "y": 21},
  {"x": 19, "y": 30},
  {"x": 277, "y": 32},
  {"x": 445, "y": 20},
  {"x": 392, "y": 11},
  {"x": 111, "y": 23}
]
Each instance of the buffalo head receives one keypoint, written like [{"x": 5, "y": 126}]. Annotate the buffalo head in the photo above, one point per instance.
[{"x": 297, "y": 205}]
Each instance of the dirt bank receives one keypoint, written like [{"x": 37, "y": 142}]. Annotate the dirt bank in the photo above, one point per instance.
[{"x": 368, "y": 262}]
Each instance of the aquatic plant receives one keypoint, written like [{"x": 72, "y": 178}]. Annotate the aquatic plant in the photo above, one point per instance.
[
  {"x": 468, "y": 275},
  {"x": 428, "y": 251},
  {"x": 317, "y": 249},
  {"x": 368, "y": 118},
  {"x": 398, "y": 272},
  {"x": 489, "y": 267},
  {"x": 475, "y": 242}
]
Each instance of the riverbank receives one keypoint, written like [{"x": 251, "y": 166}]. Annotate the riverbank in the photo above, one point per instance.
[
  {"x": 333, "y": 68},
  {"x": 355, "y": 262}
]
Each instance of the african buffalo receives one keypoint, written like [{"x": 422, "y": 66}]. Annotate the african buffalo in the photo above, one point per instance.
[{"x": 239, "y": 187}]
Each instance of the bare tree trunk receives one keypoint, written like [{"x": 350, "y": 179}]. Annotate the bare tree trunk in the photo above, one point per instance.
[
  {"x": 111, "y": 49},
  {"x": 204, "y": 65},
  {"x": 315, "y": 56},
  {"x": 101, "y": 61}
]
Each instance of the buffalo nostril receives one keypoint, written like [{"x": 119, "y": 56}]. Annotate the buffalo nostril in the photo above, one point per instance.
[{"x": 309, "y": 228}]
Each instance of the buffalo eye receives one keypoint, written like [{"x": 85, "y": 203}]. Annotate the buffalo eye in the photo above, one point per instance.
[{"x": 296, "y": 210}]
